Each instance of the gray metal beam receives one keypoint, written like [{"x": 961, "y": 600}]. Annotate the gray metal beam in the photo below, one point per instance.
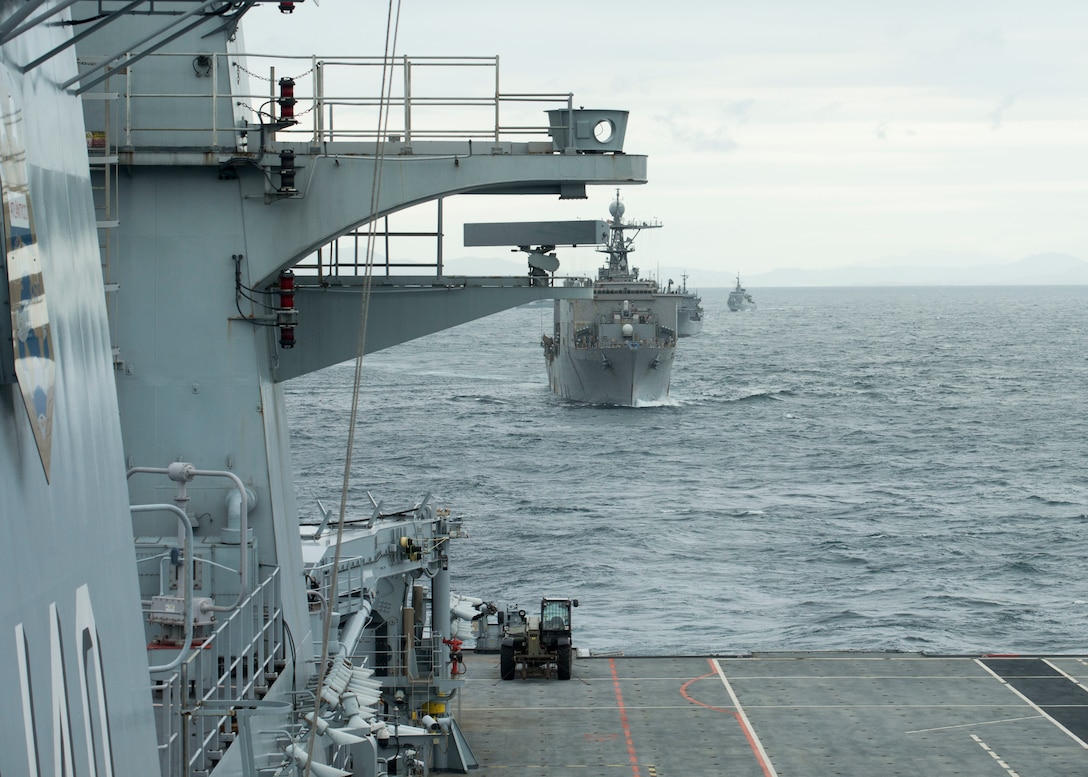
[
  {"x": 335, "y": 193},
  {"x": 328, "y": 317}
]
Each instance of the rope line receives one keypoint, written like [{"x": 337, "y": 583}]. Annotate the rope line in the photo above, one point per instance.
[
  {"x": 392, "y": 25},
  {"x": 267, "y": 79}
]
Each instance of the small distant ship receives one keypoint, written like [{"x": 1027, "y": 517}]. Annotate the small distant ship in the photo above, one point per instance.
[
  {"x": 689, "y": 315},
  {"x": 740, "y": 299},
  {"x": 616, "y": 348}
]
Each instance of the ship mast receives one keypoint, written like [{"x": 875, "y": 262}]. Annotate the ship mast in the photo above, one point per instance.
[{"x": 619, "y": 246}]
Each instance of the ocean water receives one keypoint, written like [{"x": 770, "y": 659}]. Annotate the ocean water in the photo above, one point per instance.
[{"x": 862, "y": 468}]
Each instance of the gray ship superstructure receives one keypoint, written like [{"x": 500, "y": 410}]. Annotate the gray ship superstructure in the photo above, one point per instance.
[
  {"x": 689, "y": 313},
  {"x": 617, "y": 348},
  {"x": 739, "y": 299},
  {"x": 170, "y": 205}
]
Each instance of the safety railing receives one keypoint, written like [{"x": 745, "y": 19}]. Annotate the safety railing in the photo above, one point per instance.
[
  {"x": 237, "y": 662},
  {"x": 218, "y": 100},
  {"x": 168, "y": 704},
  {"x": 348, "y": 597},
  {"x": 370, "y": 250},
  {"x": 396, "y": 666},
  {"x": 422, "y": 97}
]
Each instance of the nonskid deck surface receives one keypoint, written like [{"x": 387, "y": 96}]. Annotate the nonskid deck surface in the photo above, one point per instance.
[{"x": 790, "y": 715}]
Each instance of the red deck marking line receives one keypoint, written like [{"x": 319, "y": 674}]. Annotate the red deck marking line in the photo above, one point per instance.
[
  {"x": 693, "y": 700},
  {"x": 746, "y": 726},
  {"x": 623, "y": 719},
  {"x": 753, "y": 741}
]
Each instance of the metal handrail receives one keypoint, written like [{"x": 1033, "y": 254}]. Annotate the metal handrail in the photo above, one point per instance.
[
  {"x": 230, "y": 664},
  {"x": 350, "y": 584},
  {"x": 325, "y": 105}
]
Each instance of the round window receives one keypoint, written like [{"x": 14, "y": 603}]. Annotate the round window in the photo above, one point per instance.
[{"x": 604, "y": 131}]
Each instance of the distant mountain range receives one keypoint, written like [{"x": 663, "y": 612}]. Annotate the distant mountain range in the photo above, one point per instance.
[
  {"x": 1046, "y": 269},
  {"x": 933, "y": 269},
  {"x": 1036, "y": 270}
]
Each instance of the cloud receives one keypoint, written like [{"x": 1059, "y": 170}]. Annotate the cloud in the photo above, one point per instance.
[
  {"x": 997, "y": 116},
  {"x": 739, "y": 110},
  {"x": 688, "y": 134}
]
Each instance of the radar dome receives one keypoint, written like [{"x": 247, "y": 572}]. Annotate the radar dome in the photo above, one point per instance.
[
  {"x": 616, "y": 209},
  {"x": 628, "y": 330}
]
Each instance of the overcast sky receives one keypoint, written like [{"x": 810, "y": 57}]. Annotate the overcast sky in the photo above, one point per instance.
[{"x": 784, "y": 134}]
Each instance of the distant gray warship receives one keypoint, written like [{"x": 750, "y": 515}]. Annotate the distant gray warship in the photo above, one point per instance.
[
  {"x": 689, "y": 315},
  {"x": 740, "y": 299},
  {"x": 618, "y": 347}
]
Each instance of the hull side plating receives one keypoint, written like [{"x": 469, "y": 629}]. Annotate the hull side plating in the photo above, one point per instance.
[
  {"x": 72, "y": 636},
  {"x": 622, "y": 375},
  {"x": 689, "y": 319}
]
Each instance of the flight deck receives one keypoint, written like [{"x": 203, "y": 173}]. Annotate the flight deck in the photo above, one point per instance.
[{"x": 784, "y": 714}]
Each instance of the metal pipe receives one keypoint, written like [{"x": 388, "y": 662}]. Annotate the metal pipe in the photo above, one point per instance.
[
  {"x": 570, "y": 121},
  {"x": 183, "y": 519},
  {"x": 407, "y": 101},
  {"x": 182, "y": 473},
  {"x": 81, "y": 35},
  {"x": 440, "y": 616},
  {"x": 105, "y": 63},
  {"x": 130, "y": 58},
  {"x": 353, "y": 629},
  {"x": 10, "y": 34},
  {"x": 234, "y": 514},
  {"x": 20, "y": 15},
  {"x": 498, "y": 97},
  {"x": 441, "y": 226},
  {"x": 319, "y": 100},
  {"x": 128, "y": 105},
  {"x": 215, "y": 100}
]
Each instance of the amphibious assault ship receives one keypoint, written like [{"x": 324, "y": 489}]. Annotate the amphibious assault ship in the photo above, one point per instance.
[{"x": 617, "y": 348}]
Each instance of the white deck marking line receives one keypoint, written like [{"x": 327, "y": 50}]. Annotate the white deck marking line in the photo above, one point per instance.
[
  {"x": 973, "y": 724},
  {"x": 764, "y": 761},
  {"x": 1066, "y": 675},
  {"x": 1032, "y": 704},
  {"x": 995, "y": 756}
]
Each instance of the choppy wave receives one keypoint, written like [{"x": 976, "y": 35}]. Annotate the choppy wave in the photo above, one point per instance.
[{"x": 840, "y": 469}]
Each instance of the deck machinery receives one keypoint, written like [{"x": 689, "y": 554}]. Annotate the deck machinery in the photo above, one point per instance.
[{"x": 538, "y": 644}]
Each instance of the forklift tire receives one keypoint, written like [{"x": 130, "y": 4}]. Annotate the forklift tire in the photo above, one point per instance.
[
  {"x": 563, "y": 662},
  {"x": 506, "y": 662}
]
